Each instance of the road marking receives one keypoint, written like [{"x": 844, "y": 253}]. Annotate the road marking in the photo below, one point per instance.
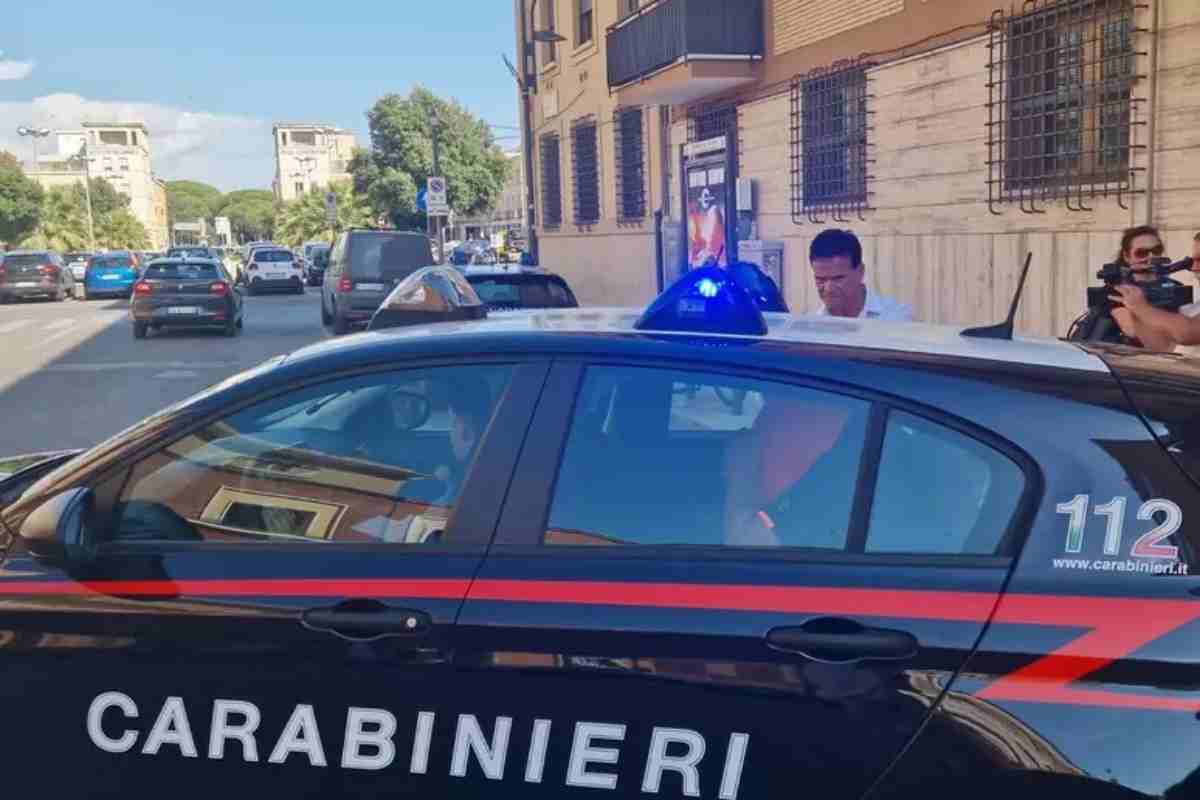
[
  {"x": 16, "y": 324},
  {"x": 59, "y": 324},
  {"x": 177, "y": 373}
]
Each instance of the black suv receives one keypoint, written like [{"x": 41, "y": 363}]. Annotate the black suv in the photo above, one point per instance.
[
  {"x": 695, "y": 552},
  {"x": 34, "y": 273},
  {"x": 364, "y": 266}
]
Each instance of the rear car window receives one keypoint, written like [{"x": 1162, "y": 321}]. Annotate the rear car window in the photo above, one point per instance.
[
  {"x": 26, "y": 260},
  {"x": 115, "y": 261},
  {"x": 265, "y": 256},
  {"x": 523, "y": 292},
  {"x": 388, "y": 256},
  {"x": 182, "y": 271}
]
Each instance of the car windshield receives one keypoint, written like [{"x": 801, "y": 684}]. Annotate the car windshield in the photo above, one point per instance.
[
  {"x": 182, "y": 271},
  {"x": 265, "y": 256},
  {"x": 388, "y": 256},
  {"x": 183, "y": 252}
]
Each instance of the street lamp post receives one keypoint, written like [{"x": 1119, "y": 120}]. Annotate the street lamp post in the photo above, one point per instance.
[
  {"x": 34, "y": 134},
  {"x": 82, "y": 156}
]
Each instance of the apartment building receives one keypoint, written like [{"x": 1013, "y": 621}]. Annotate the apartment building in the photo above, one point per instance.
[
  {"x": 953, "y": 136},
  {"x": 121, "y": 154},
  {"x": 509, "y": 211},
  {"x": 308, "y": 156}
]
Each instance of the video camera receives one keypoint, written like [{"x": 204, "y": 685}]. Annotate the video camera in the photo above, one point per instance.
[{"x": 1162, "y": 291}]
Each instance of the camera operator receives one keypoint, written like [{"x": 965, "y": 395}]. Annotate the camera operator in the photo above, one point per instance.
[{"x": 1154, "y": 328}]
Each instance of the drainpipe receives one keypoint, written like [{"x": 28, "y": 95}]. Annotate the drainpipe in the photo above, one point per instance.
[{"x": 1152, "y": 92}]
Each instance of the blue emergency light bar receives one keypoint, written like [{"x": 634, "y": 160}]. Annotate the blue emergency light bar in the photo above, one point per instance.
[{"x": 705, "y": 300}]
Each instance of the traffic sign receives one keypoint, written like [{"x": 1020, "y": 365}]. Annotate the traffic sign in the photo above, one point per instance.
[
  {"x": 421, "y": 199},
  {"x": 435, "y": 197}
]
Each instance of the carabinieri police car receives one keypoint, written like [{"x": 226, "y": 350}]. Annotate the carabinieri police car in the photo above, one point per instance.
[{"x": 697, "y": 552}]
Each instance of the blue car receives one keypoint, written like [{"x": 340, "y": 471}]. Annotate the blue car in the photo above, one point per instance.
[{"x": 111, "y": 275}]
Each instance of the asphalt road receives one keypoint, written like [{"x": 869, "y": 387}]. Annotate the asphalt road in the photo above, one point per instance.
[{"x": 71, "y": 373}]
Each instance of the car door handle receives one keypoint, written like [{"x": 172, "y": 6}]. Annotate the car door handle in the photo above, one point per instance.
[
  {"x": 839, "y": 641},
  {"x": 366, "y": 620}
]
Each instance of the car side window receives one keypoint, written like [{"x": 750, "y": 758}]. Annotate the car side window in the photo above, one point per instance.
[
  {"x": 378, "y": 457},
  {"x": 660, "y": 457},
  {"x": 940, "y": 491}
]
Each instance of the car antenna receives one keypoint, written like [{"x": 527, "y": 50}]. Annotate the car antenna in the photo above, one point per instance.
[{"x": 1004, "y": 330}]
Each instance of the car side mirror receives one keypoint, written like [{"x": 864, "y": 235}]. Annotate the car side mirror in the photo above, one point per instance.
[{"x": 61, "y": 531}]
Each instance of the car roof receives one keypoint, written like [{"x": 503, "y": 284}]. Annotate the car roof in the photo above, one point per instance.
[
  {"x": 531, "y": 329},
  {"x": 28, "y": 252},
  {"x": 490, "y": 270}
]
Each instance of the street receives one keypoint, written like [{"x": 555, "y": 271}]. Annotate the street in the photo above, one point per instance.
[{"x": 72, "y": 373}]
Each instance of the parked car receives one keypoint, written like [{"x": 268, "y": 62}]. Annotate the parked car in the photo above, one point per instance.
[
  {"x": 364, "y": 266},
  {"x": 111, "y": 274},
  {"x": 318, "y": 261},
  {"x": 34, "y": 273},
  {"x": 186, "y": 293},
  {"x": 273, "y": 269},
  {"x": 512, "y": 287}
]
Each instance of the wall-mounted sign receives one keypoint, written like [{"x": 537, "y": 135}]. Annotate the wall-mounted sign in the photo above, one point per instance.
[{"x": 704, "y": 147}]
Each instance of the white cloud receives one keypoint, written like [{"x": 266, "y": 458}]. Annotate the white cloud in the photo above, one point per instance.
[
  {"x": 229, "y": 151},
  {"x": 15, "y": 70}
]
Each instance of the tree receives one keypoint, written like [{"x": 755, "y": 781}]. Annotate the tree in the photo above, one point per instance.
[
  {"x": 303, "y": 219},
  {"x": 105, "y": 199},
  {"x": 64, "y": 220},
  {"x": 121, "y": 230},
  {"x": 20, "y": 204},
  {"x": 401, "y": 157},
  {"x": 188, "y": 201},
  {"x": 251, "y": 213},
  {"x": 9, "y": 161}
]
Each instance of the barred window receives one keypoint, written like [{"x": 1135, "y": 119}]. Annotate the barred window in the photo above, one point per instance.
[
  {"x": 551, "y": 181},
  {"x": 585, "y": 171},
  {"x": 627, "y": 7},
  {"x": 630, "y": 153},
  {"x": 1060, "y": 106},
  {"x": 709, "y": 123},
  {"x": 829, "y": 142}
]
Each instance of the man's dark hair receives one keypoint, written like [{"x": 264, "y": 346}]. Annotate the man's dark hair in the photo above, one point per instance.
[
  {"x": 833, "y": 242},
  {"x": 471, "y": 398}
]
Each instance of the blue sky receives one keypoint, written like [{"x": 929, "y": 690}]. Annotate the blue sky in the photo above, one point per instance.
[{"x": 211, "y": 76}]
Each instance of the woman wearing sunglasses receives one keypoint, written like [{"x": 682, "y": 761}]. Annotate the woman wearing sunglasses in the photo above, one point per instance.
[{"x": 1145, "y": 325}]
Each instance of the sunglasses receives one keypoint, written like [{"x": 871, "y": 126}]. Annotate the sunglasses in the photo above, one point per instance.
[{"x": 1146, "y": 252}]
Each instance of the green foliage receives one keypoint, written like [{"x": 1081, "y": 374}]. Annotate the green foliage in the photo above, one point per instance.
[
  {"x": 20, "y": 203},
  {"x": 303, "y": 219},
  {"x": 121, "y": 230},
  {"x": 64, "y": 221},
  {"x": 188, "y": 201},
  {"x": 401, "y": 157},
  {"x": 251, "y": 213},
  {"x": 9, "y": 161},
  {"x": 105, "y": 199}
]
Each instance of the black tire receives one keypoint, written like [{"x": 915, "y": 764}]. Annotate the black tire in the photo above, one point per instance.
[
  {"x": 62, "y": 293},
  {"x": 231, "y": 328},
  {"x": 340, "y": 326},
  {"x": 325, "y": 318},
  {"x": 139, "y": 330}
]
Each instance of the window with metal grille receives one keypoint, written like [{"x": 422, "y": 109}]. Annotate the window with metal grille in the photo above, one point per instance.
[
  {"x": 1060, "y": 105},
  {"x": 711, "y": 122},
  {"x": 830, "y": 124},
  {"x": 628, "y": 7},
  {"x": 630, "y": 154},
  {"x": 585, "y": 171},
  {"x": 551, "y": 181},
  {"x": 583, "y": 22}
]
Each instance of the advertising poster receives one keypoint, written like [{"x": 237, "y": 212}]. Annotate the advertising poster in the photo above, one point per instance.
[{"x": 706, "y": 217}]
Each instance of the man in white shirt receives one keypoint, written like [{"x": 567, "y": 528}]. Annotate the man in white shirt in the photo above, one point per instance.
[{"x": 836, "y": 258}]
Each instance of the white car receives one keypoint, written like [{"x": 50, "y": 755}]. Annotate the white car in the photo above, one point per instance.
[
  {"x": 273, "y": 268},
  {"x": 77, "y": 263}
]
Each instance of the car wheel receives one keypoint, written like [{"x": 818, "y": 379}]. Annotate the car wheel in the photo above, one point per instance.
[
  {"x": 231, "y": 328},
  {"x": 325, "y": 318},
  {"x": 61, "y": 294},
  {"x": 340, "y": 326},
  {"x": 139, "y": 330}
]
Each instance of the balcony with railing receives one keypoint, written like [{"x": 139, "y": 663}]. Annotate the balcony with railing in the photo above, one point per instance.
[{"x": 679, "y": 50}]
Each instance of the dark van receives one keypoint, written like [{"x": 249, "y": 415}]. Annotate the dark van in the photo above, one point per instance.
[{"x": 364, "y": 266}]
